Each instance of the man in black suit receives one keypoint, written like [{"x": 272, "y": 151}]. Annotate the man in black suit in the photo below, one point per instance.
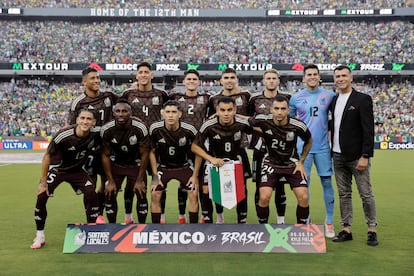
[{"x": 353, "y": 146}]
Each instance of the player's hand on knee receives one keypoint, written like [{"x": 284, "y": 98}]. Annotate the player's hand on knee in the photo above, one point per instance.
[
  {"x": 110, "y": 188},
  {"x": 140, "y": 188},
  {"x": 42, "y": 188}
]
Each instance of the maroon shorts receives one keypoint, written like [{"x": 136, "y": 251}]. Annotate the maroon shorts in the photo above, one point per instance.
[
  {"x": 130, "y": 173},
  {"x": 182, "y": 175},
  {"x": 271, "y": 175},
  {"x": 80, "y": 180}
]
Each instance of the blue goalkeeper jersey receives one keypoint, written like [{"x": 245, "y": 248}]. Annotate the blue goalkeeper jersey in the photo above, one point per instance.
[{"x": 313, "y": 109}]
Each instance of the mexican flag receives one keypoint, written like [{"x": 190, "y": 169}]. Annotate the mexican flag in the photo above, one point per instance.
[{"x": 226, "y": 184}]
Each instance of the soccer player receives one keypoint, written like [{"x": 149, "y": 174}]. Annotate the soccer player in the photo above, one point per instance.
[
  {"x": 125, "y": 155},
  {"x": 231, "y": 88},
  {"x": 224, "y": 135},
  {"x": 261, "y": 104},
  {"x": 312, "y": 105},
  {"x": 146, "y": 102},
  {"x": 170, "y": 159},
  {"x": 102, "y": 103},
  {"x": 64, "y": 160},
  {"x": 280, "y": 133},
  {"x": 353, "y": 147},
  {"x": 194, "y": 111}
]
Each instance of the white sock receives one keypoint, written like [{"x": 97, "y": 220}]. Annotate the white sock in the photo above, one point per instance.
[
  {"x": 162, "y": 216},
  {"x": 181, "y": 216},
  {"x": 280, "y": 220},
  {"x": 128, "y": 216},
  {"x": 40, "y": 233}
]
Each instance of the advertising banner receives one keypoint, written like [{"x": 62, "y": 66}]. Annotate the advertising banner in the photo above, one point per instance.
[{"x": 147, "y": 238}]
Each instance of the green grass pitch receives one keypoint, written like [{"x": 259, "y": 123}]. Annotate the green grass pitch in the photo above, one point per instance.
[{"x": 393, "y": 184}]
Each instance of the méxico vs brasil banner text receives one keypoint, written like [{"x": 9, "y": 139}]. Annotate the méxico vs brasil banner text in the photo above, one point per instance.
[
  {"x": 226, "y": 183},
  {"x": 147, "y": 238}
]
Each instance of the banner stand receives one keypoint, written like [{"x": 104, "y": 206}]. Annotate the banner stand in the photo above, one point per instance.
[{"x": 147, "y": 238}]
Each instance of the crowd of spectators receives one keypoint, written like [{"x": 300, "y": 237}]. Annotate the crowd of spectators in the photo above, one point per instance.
[
  {"x": 207, "y": 42},
  {"x": 208, "y": 4},
  {"x": 34, "y": 107}
]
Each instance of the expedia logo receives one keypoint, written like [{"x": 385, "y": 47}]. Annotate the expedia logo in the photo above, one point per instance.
[{"x": 384, "y": 145}]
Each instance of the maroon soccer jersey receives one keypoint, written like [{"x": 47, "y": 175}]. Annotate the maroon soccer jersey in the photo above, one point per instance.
[
  {"x": 241, "y": 99},
  {"x": 69, "y": 152},
  {"x": 102, "y": 104},
  {"x": 172, "y": 148},
  {"x": 223, "y": 141},
  {"x": 194, "y": 108},
  {"x": 146, "y": 105},
  {"x": 281, "y": 140},
  {"x": 260, "y": 104},
  {"x": 125, "y": 142}
]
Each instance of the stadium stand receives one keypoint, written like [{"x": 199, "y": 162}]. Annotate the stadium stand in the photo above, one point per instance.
[
  {"x": 207, "y": 42},
  {"x": 209, "y": 4}
]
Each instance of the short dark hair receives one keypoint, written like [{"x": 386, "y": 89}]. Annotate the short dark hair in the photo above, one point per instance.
[
  {"x": 191, "y": 71},
  {"x": 281, "y": 98},
  {"x": 310, "y": 66},
  {"x": 122, "y": 100},
  {"x": 225, "y": 99},
  {"x": 171, "y": 103},
  {"x": 144, "y": 64},
  {"x": 90, "y": 110},
  {"x": 341, "y": 67},
  {"x": 228, "y": 70},
  {"x": 88, "y": 70}
]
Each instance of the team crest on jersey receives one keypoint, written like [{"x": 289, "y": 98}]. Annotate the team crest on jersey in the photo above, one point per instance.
[
  {"x": 239, "y": 101},
  {"x": 182, "y": 141},
  {"x": 133, "y": 140},
  {"x": 290, "y": 136},
  {"x": 237, "y": 135},
  {"x": 107, "y": 102},
  {"x": 155, "y": 101},
  {"x": 200, "y": 100}
]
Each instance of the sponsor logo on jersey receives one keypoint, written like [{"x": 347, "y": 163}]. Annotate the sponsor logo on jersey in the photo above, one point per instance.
[
  {"x": 237, "y": 135},
  {"x": 133, "y": 140},
  {"x": 182, "y": 141},
  {"x": 200, "y": 100},
  {"x": 269, "y": 131},
  {"x": 107, "y": 102},
  {"x": 155, "y": 101},
  {"x": 114, "y": 141},
  {"x": 135, "y": 101},
  {"x": 72, "y": 148},
  {"x": 239, "y": 101},
  {"x": 262, "y": 106},
  {"x": 162, "y": 140},
  {"x": 217, "y": 137}
]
